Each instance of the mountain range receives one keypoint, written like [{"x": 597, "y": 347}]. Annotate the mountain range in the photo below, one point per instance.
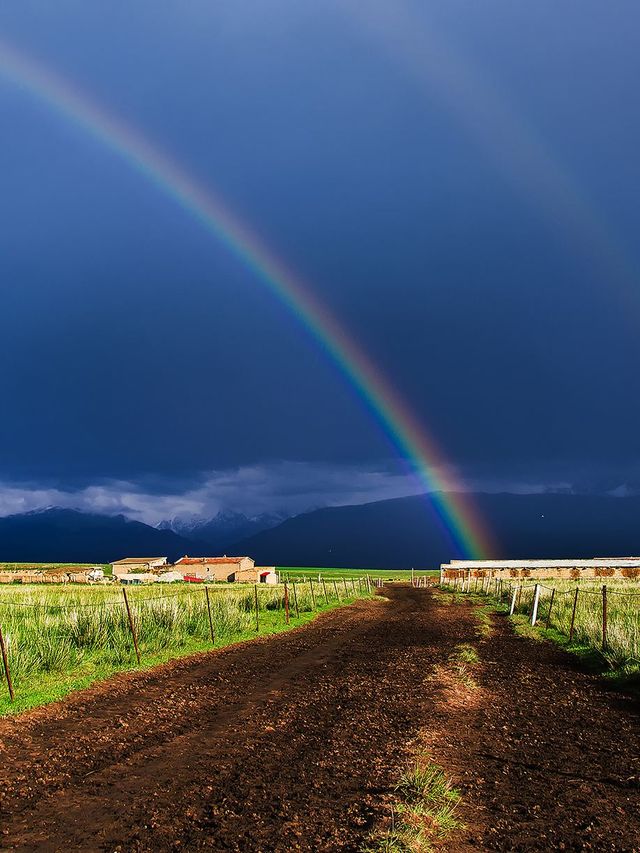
[
  {"x": 66, "y": 535},
  {"x": 406, "y": 532},
  {"x": 224, "y": 529},
  {"x": 397, "y": 533}
]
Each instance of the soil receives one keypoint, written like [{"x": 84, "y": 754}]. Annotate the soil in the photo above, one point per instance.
[{"x": 294, "y": 742}]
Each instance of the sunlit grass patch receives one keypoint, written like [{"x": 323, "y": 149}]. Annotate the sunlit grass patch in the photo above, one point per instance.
[
  {"x": 424, "y": 812},
  {"x": 465, "y": 653}
]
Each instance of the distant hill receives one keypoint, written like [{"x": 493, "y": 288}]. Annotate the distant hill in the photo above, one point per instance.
[
  {"x": 405, "y": 532},
  {"x": 66, "y": 535}
]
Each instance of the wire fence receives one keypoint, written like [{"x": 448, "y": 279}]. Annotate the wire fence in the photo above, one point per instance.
[
  {"x": 604, "y": 617},
  {"x": 50, "y": 631}
]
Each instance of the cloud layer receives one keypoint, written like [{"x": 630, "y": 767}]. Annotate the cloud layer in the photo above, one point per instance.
[
  {"x": 290, "y": 488},
  {"x": 287, "y": 487}
]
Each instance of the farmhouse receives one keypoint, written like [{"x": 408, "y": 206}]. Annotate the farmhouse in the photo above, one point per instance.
[
  {"x": 596, "y": 567},
  {"x": 224, "y": 568},
  {"x": 137, "y": 564}
]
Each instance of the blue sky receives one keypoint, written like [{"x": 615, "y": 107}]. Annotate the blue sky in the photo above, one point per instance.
[{"x": 457, "y": 181}]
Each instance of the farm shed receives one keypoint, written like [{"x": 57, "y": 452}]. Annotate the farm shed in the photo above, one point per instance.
[
  {"x": 219, "y": 568},
  {"x": 266, "y": 574},
  {"x": 137, "y": 564},
  {"x": 577, "y": 569},
  {"x": 135, "y": 578}
]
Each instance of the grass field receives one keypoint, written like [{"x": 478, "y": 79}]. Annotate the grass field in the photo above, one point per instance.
[
  {"x": 295, "y": 572},
  {"x": 621, "y": 649},
  {"x": 60, "y": 638}
]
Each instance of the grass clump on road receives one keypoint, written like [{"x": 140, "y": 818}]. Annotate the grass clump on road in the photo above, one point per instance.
[
  {"x": 465, "y": 654},
  {"x": 425, "y": 812}
]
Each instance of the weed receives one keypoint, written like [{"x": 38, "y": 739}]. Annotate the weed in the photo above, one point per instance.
[
  {"x": 424, "y": 814},
  {"x": 465, "y": 653}
]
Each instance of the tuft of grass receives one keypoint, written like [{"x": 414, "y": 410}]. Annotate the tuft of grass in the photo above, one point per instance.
[
  {"x": 465, "y": 653},
  {"x": 424, "y": 814},
  {"x": 462, "y": 657},
  {"x": 485, "y": 626}
]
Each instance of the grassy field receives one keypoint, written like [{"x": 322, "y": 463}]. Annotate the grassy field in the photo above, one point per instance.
[
  {"x": 61, "y": 638},
  {"x": 300, "y": 572},
  {"x": 621, "y": 650}
]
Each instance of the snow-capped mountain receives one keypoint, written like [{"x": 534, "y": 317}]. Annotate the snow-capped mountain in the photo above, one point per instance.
[{"x": 223, "y": 529}]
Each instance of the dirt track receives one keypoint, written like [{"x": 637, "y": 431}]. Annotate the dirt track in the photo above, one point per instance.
[{"x": 293, "y": 743}]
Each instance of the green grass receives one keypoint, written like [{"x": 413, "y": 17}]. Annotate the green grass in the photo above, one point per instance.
[
  {"x": 620, "y": 656},
  {"x": 385, "y": 574},
  {"x": 424, "y": 812},
  {"x": 62, "y": 638},
  {"x": 465, "y": 653}
]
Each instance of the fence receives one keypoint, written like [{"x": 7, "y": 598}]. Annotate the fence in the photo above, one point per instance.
[
  {"x": 606, "y": 618},
  {"x": 60, "y": 630}
]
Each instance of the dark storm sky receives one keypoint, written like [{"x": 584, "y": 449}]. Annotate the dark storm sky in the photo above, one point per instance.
[{"x": 457, "y": 181}]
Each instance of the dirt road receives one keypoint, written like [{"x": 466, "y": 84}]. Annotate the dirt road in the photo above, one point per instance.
[{"x": 293, "y": 742}]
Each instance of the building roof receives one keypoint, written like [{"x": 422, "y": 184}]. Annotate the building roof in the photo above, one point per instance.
[
  {"x": 135, "y": 560},
  {"x": 199, "y": 561}
]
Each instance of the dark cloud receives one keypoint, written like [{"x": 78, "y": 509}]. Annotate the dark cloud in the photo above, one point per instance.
[{"x": 135, "y": 350}]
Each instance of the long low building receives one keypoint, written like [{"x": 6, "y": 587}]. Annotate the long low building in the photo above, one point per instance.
[{"x": 595, "y": 567}]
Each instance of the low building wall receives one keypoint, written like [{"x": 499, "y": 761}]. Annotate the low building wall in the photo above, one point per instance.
[{"x": 542, "y": 569}]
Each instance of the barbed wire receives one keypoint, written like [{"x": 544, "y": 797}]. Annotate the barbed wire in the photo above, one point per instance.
[{"x": 178, "y": 594}]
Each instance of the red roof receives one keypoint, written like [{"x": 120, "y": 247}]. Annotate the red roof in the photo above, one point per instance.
[{"x": 199, "y": 561}]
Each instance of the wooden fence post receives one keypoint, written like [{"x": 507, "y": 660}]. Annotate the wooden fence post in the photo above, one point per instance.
[
  {"x": 286, "y": 603},
  {"x": 295, "y": 600},
  {"x": 5, "y": 664},
  {"x": 313, "y": 595},
  {"x": 324, "y": 587},
  {"x": 255, "y": 596},
  {"x": 335, "y": 586},
  {"x": 536, "y": 600},
  {"x": 212, "y": 632},
  {"x": 346, "y": 590},
  {"x": 131, "y": 625},
  {"x": 548, "y": 622},
  {"x": 513, "y": 600},
  {"x": 604, "y": 617},
  {"x": 573, "y": 614}
]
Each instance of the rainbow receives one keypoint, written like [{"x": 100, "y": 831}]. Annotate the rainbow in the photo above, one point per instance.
[{"x": 465, "y": 531}]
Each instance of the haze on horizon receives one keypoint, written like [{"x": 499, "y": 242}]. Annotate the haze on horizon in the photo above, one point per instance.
[{"x": 457, "y": 182}]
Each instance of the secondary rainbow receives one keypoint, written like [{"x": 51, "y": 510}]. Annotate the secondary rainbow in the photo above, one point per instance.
[{"x": 458, "y": 516}]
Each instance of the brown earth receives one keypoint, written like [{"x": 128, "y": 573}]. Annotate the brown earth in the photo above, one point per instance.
[{"x": 293, "y": 742}]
